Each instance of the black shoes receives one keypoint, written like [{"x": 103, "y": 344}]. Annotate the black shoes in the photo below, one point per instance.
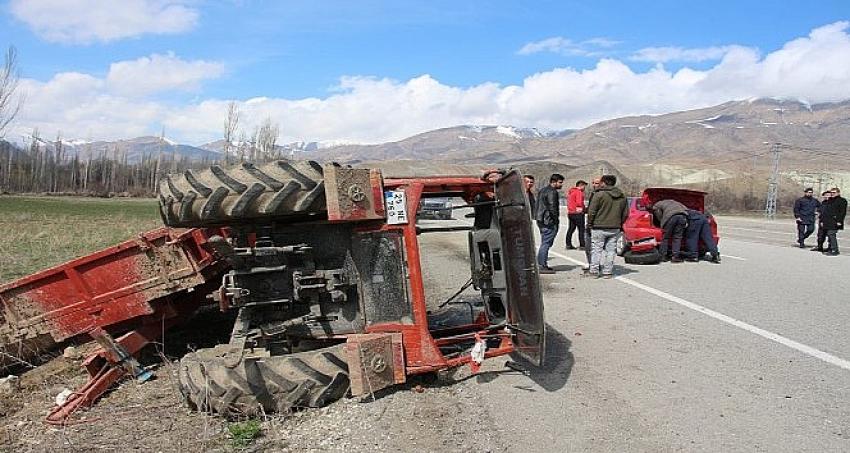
[
  {"x": 569, "y": 247},
  {"x": 692, "y": 260},
  {"x": 829, "y": 253},
  {"x": 546, "y": 270},
  {"x": 715, "y": 258},
  {"x": 817, "y": 249},
  {"x": 677, "y": 259}
]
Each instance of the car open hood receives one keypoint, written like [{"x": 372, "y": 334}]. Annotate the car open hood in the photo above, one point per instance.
[{"x": 693, "y": 199}]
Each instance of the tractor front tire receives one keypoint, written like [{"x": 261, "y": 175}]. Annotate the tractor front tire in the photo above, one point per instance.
[
  {"x": 243, "y": 193},
  {"x": 217, "y": 380}
]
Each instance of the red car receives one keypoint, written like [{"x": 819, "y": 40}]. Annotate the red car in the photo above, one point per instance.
[{"x": 641, "y": 236}]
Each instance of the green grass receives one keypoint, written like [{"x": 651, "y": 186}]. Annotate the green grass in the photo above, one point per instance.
[
  {"x": 40, "y": 232},
  {"x": 243, "y": 433}
]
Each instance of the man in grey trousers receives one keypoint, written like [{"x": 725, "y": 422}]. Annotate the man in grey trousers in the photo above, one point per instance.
[
  {"x": 587, "y": 241},
  {"x": 606, "y": 214}
]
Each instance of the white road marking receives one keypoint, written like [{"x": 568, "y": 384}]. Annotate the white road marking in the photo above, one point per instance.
[
  {"x": 783, "y": 233},
  {"x": 584, "y": 263},
  {"x": 572, "y": 260},
  {"x": 808, "y": 350}
]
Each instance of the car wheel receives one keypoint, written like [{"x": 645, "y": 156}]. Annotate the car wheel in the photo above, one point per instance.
[
  {"x": 621, "y": 246},
  {"x": 650, "y": 257}
]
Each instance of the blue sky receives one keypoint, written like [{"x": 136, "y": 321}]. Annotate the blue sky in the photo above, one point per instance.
[{"x": 370, "y": 71}]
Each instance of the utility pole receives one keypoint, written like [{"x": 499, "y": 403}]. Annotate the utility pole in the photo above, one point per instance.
[{"x": 773, "y": 184}]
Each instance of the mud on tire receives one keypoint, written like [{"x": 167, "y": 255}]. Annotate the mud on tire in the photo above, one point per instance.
[
  {"x": 245, "y": 192},
  {"x": 211, "y": 380}
]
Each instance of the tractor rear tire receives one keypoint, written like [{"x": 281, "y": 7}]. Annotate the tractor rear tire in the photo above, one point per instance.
[
  {"x": 243, "y": 193},
  {"x": 212, "y": 381}
]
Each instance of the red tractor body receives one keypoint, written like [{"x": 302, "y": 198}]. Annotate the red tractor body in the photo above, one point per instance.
[{"x": 349, "y": 277}]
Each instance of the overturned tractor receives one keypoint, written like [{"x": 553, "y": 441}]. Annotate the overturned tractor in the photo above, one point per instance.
[{"x": 322, "y": 266}]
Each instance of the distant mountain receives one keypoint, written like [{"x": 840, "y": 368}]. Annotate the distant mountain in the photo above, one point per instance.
[
  {"x": 454, "y": 144},
  {"x": 136, "y": 149},
  {"x": 725, "y": 136},
  {"x": 287, "y": 150}
]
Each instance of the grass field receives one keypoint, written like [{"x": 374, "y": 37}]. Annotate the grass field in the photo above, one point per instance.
[{"x": 39, "y": 232}]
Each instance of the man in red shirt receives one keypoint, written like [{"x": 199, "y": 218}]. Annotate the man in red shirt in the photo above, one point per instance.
[{"x": 575, "y": 214}]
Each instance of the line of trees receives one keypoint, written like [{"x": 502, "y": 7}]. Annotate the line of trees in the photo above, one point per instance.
[{"x": 49, "y": 168}]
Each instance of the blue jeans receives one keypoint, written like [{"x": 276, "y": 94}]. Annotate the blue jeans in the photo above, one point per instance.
[
  {"x": 604, "y": 244},
  {"x": 547, "y": 238},
  {"x": 699, "y": 230}
]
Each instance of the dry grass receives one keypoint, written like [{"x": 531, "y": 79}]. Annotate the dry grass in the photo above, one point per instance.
[{"x": 39, "y": 232}]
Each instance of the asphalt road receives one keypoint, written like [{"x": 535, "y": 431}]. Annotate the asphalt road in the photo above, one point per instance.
[{"x": 749, "y": 355}]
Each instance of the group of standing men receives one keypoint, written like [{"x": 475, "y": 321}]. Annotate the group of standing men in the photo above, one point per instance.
[
  {"x": 828, "y": 214},
  {"x": 599, "y": 220}
]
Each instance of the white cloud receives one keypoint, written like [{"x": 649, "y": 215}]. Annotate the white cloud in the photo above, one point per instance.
[
  {"x": 87, "y": 21},
  {"x": 81, "y": 105},
  {"x": 159, "y": 73},
  {"x": 667, "y": 54},
  {"x": 815, "y": 68},
  {"x": 564, "y": 46}
]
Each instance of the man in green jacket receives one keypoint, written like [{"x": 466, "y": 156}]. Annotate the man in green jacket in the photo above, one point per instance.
[{"x": 606, "y": 215}]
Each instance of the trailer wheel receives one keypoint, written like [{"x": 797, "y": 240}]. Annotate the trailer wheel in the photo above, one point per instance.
[
  {"x": 650, "y": 257},
  {"x": 246, "y": 192},
  {"x": 212, "y": 381}
]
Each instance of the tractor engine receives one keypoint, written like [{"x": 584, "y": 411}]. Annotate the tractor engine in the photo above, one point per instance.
[{"x": 310, "y": 282}]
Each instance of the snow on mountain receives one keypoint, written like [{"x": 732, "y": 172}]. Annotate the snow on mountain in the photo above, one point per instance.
[{"x": 507, "y": 130}]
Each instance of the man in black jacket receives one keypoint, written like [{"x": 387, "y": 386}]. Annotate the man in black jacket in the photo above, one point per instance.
[
  {"x": 548, "y": 212},
  {"x": 672, "y": 217},
  {"x": 833, "y": 220},
  {"x": 805, "y": 209},
  {"x": 825, "y": 198}
]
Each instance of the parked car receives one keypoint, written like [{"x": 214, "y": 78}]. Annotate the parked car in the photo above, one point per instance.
[
  {"x": 435, "y": 208},
  {"x": 641, "y": 235}
]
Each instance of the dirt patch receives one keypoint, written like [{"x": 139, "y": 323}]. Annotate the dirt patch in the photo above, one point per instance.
[
  {"x": 422, "y": 416},
  {"x": 134, "y": 416},
  {"x": 446, "y": 415}
]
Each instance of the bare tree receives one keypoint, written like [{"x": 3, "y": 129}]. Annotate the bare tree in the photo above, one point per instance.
[
  {"x": 10, "y": 103},
  {"x": 255, "y": 145},
  {"x": 243, "y": 146},
  {"x": 231, "y": 125},
  {"x": 267, "y": 139}
]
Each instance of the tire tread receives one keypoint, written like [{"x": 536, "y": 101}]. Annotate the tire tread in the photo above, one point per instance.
[{"x": 281, "y": 190}]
